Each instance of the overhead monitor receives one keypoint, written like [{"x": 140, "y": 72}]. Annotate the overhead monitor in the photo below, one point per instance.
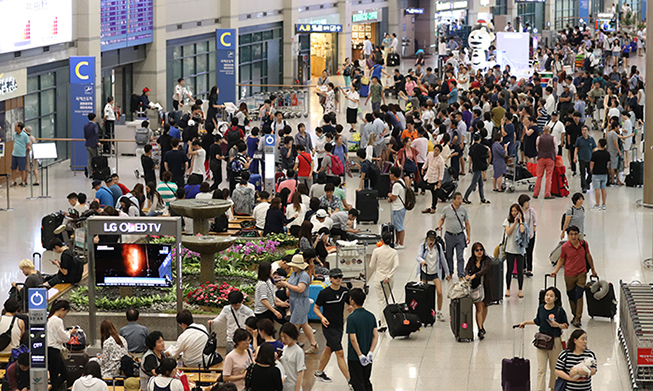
[
  {"x": 28, "y": 24},
  {"x": 133, "y": 264}
]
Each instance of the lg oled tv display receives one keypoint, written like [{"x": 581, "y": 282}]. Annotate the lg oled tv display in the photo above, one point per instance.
[{"x": 133, "y": 264}]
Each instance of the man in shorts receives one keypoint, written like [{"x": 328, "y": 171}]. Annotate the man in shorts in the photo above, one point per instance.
[
  {"x": 615, "y": 154},
  {"x": 397, "y": 199},
  {"x": 19, "y": 154},
  {"x": 332, "y": 301}
]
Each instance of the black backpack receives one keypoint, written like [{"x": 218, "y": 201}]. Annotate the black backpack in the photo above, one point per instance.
[
  {"x": 209, "y": 356},
  {"x": 410, "y": 201},
  {"x": 130, "y": 366},
  {"x": 220, "y": 224},
  {"x": 135, "y": 103},
  {"x": 233, "y": 136}
]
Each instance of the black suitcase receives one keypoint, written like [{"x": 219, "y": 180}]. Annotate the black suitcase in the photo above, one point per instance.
[
  {"x": 384, "y": 186},
  {"x": 100, "y": 168},
  {"x": 48, "y": 224},
  {"x": 420, "y": 298},
  {"x": 461, "y": 314},
  {"x": 496, "y": 274},
  {"x": 636, "y": 176},
  {"x": 75, "y": 364},
  {"x": 393, "y": 59},
  {"x": 606, "y": 307},
  {"x": 398, "y": 317},
  {"x": 367, "y": 203},
  {"x": 543, "y": 291},
  {"x": 516, "y": 371},
  {"x": 388, "y": 227}
]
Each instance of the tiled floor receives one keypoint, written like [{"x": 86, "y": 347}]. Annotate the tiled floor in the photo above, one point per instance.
[{"x": 619, "y": 239}]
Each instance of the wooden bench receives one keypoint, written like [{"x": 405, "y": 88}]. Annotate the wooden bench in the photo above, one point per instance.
[
  {"x": 58, "y": 290},
  {"x": 216, "y": 369}
]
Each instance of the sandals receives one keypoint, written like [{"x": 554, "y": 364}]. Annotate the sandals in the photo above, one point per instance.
[
  {"x": 485, "y": 201},
  {"x": 313, "y": 349}
]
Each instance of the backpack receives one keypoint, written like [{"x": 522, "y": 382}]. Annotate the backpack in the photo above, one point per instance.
[
  {"x": 130, "y": 366},
  {"x": 233, "y": 135},
  {"x": 410, "y": 202},
  {"x": 209, "y": 356},
  {"x": 220, "y": 224},
  {"x": 134, "y": 103},
  {"x": 336, "y": 165},
  {"x": 142, "y": 137},
  {"x": 564, "y": 217},
  {"x": 237, "y": 166}
]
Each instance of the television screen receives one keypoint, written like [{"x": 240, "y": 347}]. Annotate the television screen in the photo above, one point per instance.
[{"x": 133, "y": 264}]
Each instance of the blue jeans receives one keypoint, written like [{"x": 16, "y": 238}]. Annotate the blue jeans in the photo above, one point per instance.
[
  {"x": 376, "y": 106},
  {"x": 477, "y": 178},
  {"x": 455, "y": 242}
]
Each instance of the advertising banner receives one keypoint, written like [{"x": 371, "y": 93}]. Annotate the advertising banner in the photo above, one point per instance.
[
  {"x": 82, "y": 102},
  {"x": 226, "y": 42}
]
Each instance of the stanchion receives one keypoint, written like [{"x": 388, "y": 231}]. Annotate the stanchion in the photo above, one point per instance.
[
  {"x": 8, "y": 208},
  {"x": 74, "y": 168},
  {"x": 45, "y": 179},
  {"x": 30, "y": 166}
]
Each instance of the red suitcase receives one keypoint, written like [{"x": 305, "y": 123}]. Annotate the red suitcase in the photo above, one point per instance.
[
  {"x": 516, "y": 371},
  {"x": 559, "y": 184}
]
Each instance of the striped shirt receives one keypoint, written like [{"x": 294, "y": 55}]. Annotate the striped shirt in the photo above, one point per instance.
[
  {"x": 571, "y": 360},
  {"x": 264, "y": 290},
  {"x": 168, "y": 191}
]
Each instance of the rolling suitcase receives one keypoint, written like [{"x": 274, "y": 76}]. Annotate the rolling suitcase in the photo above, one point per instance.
[
  {"x": 384, "y": 186},
  {"x": 543, "y": 291},
  {"x": 100, "y": 168},
  {"x": 393, "y": 59},
  {"x": 398, "y": 317},
  {"x": 388, "y": 227},
  {"x": 496, "y": 272},
  {"x": 559, "y": 184},
  {"x": 420, "y": 298},
  {"x": 605, "y": 307},
  {"x": 48, "y": 224},
  {"x": 635, "y": 177},
  {"x": 366, "y": 237},
  {"x": 255, "y": 179},
  {"x": 461, "y": 319},
  {"x": 516, "y": 371},
  {"x": 75, "y": 364},
  {"x": 367, "y": 203}
]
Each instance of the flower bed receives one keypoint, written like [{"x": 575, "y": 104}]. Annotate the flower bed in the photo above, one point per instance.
[{"x": 212, "y": 295}]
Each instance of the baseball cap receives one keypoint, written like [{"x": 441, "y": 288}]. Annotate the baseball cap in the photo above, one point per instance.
[
  {"x": 335, "y": 273},
  {"x": 96, "y": 183},
  {"x": 555, "y": 113},
  {"x": 146, "y": 89},
  {"x": 321, "y": 214}
]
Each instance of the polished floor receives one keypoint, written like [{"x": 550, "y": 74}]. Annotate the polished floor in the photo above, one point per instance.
[{"x": 619, "y": 239}]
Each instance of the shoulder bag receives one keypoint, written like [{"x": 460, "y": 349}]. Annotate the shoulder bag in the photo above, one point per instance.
[
  {"x": 543, "y": 341},
  {"x": 459, "y": 290},
  {"x": 500, "y": 249},
  {"x": 478, "y": 294},
  {"x": 5, "y": 338},
  {"x": 561, "y": 384}
]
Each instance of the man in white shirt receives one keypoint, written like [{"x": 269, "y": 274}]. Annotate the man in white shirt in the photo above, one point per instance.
[
  {"x": 421, "y": 144},
  {"x": 397, "y": 198},
  {"x": 367, "y": 47},
  {"x": 180, "y": 93},
  {"x": 190, "y": 343},
  {"x": 383, "y": 265},
  {"x": 198, "y": 154},
  {"x": 109, "y": 118},
  {"x": 321, "y": 219},
  {"x": 557, "y": 130},
  {"x": 261, "y": 210},
  {"x": 234, "y": 315},
  {"x": 395, "y": 43},
  {"x": 550, "y": 104}
]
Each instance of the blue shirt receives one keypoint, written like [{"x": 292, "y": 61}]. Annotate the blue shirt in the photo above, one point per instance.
[
  {"x": 105, "y": 196},
  {"x": 174, "y": 132},
  {"x": 20, "y": 144},
  {"x": 362, "y": 323},
  {"x": 376, "y": 71},
  {"x": 453, "y": 96},
  {"x": 510, "y": 134},
  {"x": 585, "y": 148},
  {"x": 341, "y": 151},
  {"x": 91, "y": 134},
  {"x": 116, "y": 193}
]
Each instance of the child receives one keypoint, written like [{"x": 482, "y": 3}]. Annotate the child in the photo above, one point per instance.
[{"x": 292, "y": 359}]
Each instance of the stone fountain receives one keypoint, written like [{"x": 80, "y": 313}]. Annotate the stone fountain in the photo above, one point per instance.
[{"x": 202, "y": 211}]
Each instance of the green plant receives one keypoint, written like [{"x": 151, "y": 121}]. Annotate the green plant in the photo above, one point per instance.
[{"x": 104, "y": 303}]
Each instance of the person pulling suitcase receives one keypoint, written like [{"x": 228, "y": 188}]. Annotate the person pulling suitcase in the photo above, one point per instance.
[
  {"x": 456, "y": 221},
  {"x": 433, "y": 267},
  {"x": 383, "y": 265}
]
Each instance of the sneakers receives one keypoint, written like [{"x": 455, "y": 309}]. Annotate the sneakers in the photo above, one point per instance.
[
  {"x": 399, "y": 246},
  {"x": 322, "y": 377},
  {"x": 596, "y": 207},
  {"x": 485, "y": 201},
  {"x": 603, "y": 207},
  {"x": 13, "y": 184},
  {"x": 440, "y": 317},
  {"x": 467, "y": 202}
]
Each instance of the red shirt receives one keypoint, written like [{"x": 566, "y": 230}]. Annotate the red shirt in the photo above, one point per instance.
[
  {"x": 575, "y": 258},
  {"x": 305, "y": 167},
  {"x": 124, "y": 188}
]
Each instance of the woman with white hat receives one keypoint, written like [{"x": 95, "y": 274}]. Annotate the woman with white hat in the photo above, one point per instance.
[{"x": 298, "y": 285}]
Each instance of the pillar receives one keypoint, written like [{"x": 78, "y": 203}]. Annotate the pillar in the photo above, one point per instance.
[
  {"x": 88, "y": 40},
  {"x": 394, "y": 19},
  {"x": 151, "y": 72},
  {"x": 290, "y": 42},
  {"x": 549, "y": 15},
  {"x": 511, "y": 13},
  {"x": 425, "y": 28},
  {"x": 344, "y": 38},
  {"x": 648, "y": 117}
]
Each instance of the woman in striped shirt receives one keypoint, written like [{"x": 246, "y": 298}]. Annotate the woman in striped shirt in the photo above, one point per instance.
[
  {"x": 576, "y": 353},
  {"x": 167, "y": 188}
]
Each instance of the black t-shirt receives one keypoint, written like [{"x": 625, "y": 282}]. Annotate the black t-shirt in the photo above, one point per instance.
[
  {"x": 164, "y": 141},
  {"x": 573, "y": 131},
  {"x": 216, "y": 149},
  {"x": 266, "y": 379},
  {"x": 150, "y": 362},
  {"x": 479, "y": 155},
  {"x": 148, "y": 169},
  {"x": 333, "y": 305},
  {"x": 176, "y": 160},
  {"x": 601, "y": 158},
  {"x": 73, "y": 267}
]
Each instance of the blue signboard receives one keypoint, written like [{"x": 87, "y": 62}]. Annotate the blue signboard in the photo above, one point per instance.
[
  {"x": 318, "y": 28},
  {"x": 38, "y": 299},
  {"x": 584, "y": 9},
  {"x": 82, "y": 102},
  {"x": 226, "y": 43}
]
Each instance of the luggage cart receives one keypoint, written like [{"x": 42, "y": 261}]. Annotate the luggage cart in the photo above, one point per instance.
[
  {"x": 302, "y": 102},
  {"x": 518, "y": 175},
  {"x": 636, "y": 331},
  {"x": 352, "y": 260}
]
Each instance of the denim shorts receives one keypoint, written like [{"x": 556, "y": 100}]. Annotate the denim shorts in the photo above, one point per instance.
[
  {"x": 599, "y": 181},
  {"x": 398, "y": 217}
]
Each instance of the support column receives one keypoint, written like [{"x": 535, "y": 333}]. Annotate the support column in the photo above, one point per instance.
[
  {"x": 511, "y": 13},
  {"x": 394, "y": 19},
  {"x": 87, "y": 19},
  {"x": 290, "y": 41},
  {"x": 648, "y": 117},
  {"x": 549, "y": 15},
  {"x": 344, "y": 38},
  {"x": 425, "y": 28},
  {"x": 151, "y": 72}
]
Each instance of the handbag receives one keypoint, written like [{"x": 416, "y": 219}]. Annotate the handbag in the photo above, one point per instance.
[
  {"x": 64, "y": 353},
  {"x": 543, "y": 341},
  {"x": 500, "y": 249},
  {"x": 5, "y": 338},
  {"x": 478, "y": 294},
  {"x": 459, "y": 290},
  {"x": 561, "y": 384}
]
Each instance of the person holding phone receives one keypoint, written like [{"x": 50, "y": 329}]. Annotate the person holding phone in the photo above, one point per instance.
[{"x": 516, "y": 241}]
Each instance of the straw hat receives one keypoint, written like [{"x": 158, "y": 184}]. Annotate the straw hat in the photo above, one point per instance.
[{"x": 298, "y": 261}]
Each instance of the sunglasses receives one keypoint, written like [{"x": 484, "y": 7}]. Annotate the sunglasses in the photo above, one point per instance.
[
  {"x": 337, "y": 277},
  {"x": 478, "y": 250}
]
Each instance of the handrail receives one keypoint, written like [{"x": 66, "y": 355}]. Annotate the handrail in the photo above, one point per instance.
[{"x": 277, "y": 85}]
